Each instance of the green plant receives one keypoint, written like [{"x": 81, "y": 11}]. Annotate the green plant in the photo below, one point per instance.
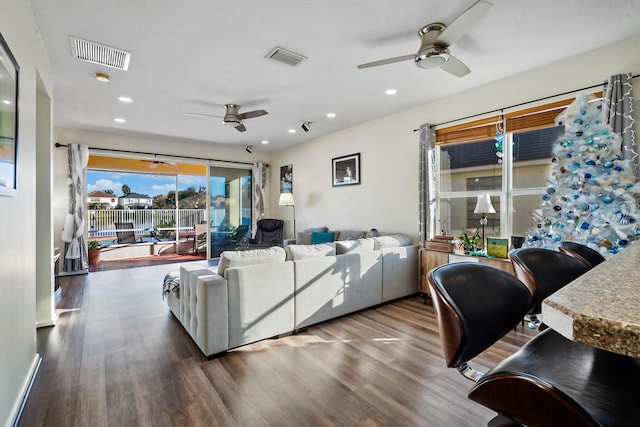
[
  {"x": 93, "y": 245},
  {"x": 472, "y": 239}
]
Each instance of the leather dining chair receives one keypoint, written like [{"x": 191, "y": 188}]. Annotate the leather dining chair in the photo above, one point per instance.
[
  {"x": 583, "y": 253},
  {"x": 550, "y": 381},
  {"x": 544, "y": 271}
]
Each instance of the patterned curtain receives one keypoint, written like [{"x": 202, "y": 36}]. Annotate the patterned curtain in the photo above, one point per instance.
[
  {"x": 618, "y": 109},
  {"x": 258, "y": 183},
  {"x": 75, "y": 248},
  {"x": 427, "y": 184}
]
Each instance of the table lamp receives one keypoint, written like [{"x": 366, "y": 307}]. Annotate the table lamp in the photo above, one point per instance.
[
  {"x": 484, "y": 206},
  {"x": 286, "y": 199}
]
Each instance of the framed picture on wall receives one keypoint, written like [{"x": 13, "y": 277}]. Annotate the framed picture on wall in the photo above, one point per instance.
[
  {"x": 286, "y": 179},
  {"x": 346, "y": 170},
  {"x": 8, "y": 120}
]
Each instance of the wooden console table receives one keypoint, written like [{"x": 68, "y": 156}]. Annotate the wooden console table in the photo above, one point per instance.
[
  {"x": 432, "y": 259},
  {"x": 600, "y": 308}
]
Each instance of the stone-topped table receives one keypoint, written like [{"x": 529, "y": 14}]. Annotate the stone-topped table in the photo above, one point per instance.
[{"x": 601, "y": 308}]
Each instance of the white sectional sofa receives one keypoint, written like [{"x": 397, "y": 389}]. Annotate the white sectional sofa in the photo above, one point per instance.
[{"x": 263, "y": 293}]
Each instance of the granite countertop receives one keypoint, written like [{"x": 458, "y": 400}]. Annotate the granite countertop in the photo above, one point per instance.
[{"x": 602, "y": 307}]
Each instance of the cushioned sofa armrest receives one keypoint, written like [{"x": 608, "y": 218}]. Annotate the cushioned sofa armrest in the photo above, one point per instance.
[{"x": 211, "y": 309}]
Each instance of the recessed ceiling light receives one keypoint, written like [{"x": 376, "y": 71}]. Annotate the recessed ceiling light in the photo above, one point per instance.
[
  {"x": 101, "y": 77},
  {"x": 390, "y": 91},
  {"x": 265, "y": 141},
  {"x": 292, "y": 131},
  {"x": 124, "y": 99},
  {"x": 119, "y": 120},
  {"x": 331, "y": 115}
]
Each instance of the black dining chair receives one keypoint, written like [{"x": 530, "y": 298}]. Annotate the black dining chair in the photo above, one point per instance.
[
  {"x": 550, "y": 381},
  {"x": 582, "y": 253},
  {"x": 544, "y": 271}
]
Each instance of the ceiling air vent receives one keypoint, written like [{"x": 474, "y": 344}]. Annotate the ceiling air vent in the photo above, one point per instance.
[
  {"x": 99, "y": 54},
  {"x": 285, "y": 56}
]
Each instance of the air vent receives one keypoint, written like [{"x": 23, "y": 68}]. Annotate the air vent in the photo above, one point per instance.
[
  {"x": 99, "y": 54},
  {"x": 285, "y": 56}
]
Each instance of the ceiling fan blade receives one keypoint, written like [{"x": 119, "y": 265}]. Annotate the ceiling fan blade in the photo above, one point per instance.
[
  {"x": 387, "y": 61},
  {"x": 464, "y": 22},
  {"x": 153, "y": 165},
  {"x": 456, "y": 67},
  {"x": 202, "y": 115},
  {"x": 252, "y": 114},
  {"x": 241, "y": 128}
]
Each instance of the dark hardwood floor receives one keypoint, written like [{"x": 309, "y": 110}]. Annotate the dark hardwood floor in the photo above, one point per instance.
[{"x": 117, "y": 357}]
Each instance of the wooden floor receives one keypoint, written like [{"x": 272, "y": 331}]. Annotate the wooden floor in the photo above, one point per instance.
[{"x": 117, "y": 357}]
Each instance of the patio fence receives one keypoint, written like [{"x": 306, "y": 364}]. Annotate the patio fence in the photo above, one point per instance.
[{"x": 145, "y": 221}]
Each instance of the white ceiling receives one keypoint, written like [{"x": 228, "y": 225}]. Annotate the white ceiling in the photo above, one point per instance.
[{"x": 197, "y": 55}]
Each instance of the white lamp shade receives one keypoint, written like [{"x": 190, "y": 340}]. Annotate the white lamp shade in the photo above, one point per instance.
[
  {"x": 483, "y": 205},
  {"x": 286, "y": 199}
]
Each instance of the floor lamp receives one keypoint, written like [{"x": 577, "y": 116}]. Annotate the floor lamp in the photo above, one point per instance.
[
  {"x": 484, "y": 206},
  {"x": 286, "y": 199}
]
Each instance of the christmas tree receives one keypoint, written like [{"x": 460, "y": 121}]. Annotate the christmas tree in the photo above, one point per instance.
[{"x": 592, "y": 196}]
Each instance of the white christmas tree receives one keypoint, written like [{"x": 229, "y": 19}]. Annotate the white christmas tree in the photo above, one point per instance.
[{"x": 592, "y": 196}]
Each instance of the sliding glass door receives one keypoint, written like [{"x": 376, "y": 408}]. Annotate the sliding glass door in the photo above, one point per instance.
[{"x": 230, "y": 208}]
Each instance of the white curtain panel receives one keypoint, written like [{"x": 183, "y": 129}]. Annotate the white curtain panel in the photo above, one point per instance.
[
  {"x": 427, "y": 184},
  {"x": 75, "y": 247},
  {"x": 258, "y": 183},
  {"x": 618, "y": 109}
]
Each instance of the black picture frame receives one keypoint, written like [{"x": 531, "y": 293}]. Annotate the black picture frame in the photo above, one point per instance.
[
  {"x": 286, "y": 179},
  {"x": 345, "y": 170},
  {"x": 9, "y": 83}
]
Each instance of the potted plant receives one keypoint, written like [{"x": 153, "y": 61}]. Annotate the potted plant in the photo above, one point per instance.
[
  {"x": 93, "y": 248},
  {"x": 470, "y": 238}
]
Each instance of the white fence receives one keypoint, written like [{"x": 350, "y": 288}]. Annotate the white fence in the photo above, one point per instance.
[{"x": 145, "y": 221}]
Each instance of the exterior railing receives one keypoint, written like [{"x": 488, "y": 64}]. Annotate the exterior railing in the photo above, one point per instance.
[{"x": 149, "y": 222}]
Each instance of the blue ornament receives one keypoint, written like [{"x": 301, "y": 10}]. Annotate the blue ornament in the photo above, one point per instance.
[
  {"x": 578, "y": 121},
  {"x": 545, "y": 197},
  {"x": 576, "y": 196},
  {"x": 551, "y": 190},
  {"x": 590, "y": 163},
  {"x": 623, "y": 243},
  {"x": 583, "y": 112},
  {"x": 605, "y": 132},
  {"x": 593, "y": 180},
  {"x": 596, "y": 121},
  {"x": 584, "y": 207},
  {"x": 618, "y": 169},
  {"x": 589, "y": 141},
  {"x": 587, "y": 175},
  {"x": 608, "y": 164},
  {"x": 607, "y": 199},
  {"x": 584, "y": 226},
  {"x": 579, "y": 133}
]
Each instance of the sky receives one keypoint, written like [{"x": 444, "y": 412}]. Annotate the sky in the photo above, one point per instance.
[{"x": 149, "y": 184}]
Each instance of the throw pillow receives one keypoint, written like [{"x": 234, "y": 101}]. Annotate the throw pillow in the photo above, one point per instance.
[
  {"x": 351, "y": 234},
  {"x": 324, "y": 237},
  {"x": 303, "y": 238},
  {"x": 391, "y": 241},
  {"x": 230, "y": 259},
  {"x": 295, "y": 252},
  {"x": 360, "y": 245}
]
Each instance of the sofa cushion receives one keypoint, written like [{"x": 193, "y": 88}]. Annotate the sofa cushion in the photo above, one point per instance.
[
  {"x": 324, "y": 237},
  {"x": 230, "y": 259},
  {"x": 391, "y": 241},
  {"x": 360, "y": 245},
  {"x": 295, "y": 252},
  {"x": 351, "y": 235},
  {"x": 317, "y": 229}
]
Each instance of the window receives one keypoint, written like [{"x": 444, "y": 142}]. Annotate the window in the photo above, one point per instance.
[{"x": 507, "y": 157}]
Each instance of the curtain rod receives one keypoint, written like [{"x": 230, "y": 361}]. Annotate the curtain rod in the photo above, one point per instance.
[
  {"x": 58, "y": 145},
  {"x": 518, "y": 105}
]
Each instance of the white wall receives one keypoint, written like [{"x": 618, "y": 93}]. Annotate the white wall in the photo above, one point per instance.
[
  {"x": 18, "y": 216},
  {"x": 387, "y": 198},
  {"x": 111, "y": 141}
]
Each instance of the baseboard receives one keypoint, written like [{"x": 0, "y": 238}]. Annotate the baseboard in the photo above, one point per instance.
[{"x": 18, "y": 406}]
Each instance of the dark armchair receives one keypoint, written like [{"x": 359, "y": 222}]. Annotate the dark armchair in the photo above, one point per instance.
[
  {"x": 550, "y": 381},
  {"x": 269, "y": 233}
]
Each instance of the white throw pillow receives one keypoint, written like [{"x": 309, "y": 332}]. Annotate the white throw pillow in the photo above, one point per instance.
[
  {"x": 230, "y": 259},
  {"x": 391, "y": 241},
  {"x": 310, "y": 251},
  {"x": 360, "y": 245}
]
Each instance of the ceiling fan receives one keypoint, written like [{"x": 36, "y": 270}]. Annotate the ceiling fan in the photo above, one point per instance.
[
  {"x": 436, "y": 39},
  {"x": 233, "y": 116},
  {"x": 155, "y": 163}
]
